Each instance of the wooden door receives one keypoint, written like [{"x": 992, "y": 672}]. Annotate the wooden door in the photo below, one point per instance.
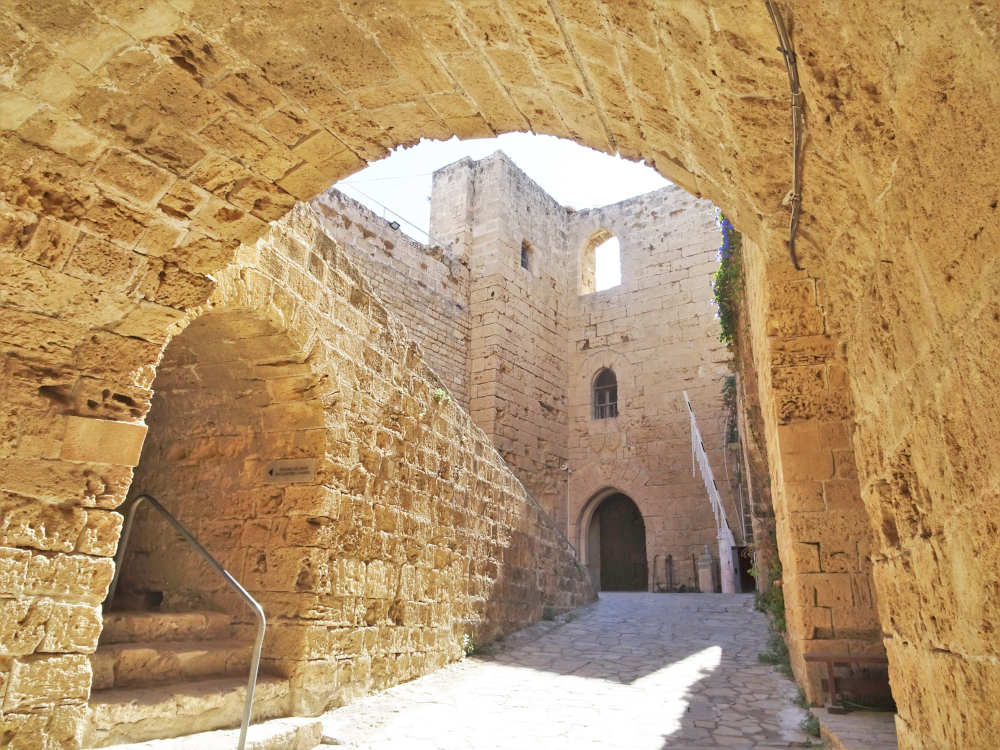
[{"x": 623, "y": 545}]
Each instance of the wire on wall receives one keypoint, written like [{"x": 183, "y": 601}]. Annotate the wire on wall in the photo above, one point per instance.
[
  {"x": 793, "y": 83},
  {"x": 430, "y": 240}
]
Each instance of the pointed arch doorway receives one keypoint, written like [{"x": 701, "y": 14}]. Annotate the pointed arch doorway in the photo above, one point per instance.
[{"x": 616, "y": 544}]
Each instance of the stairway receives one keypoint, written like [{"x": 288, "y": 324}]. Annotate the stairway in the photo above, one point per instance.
[{"x": 167, "y": 674}]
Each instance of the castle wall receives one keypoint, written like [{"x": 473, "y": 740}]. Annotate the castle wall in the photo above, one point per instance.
[
  {"x": 658, "y": 332},
  {"x": 410, "y": 532},
  {"x": 536, "y": 341},
  {"x": 424, "y": 285},
  {"x": 823, "y": 534},
  {"x": 144, "y": 144},
  {"x": 517, "y": 355}
]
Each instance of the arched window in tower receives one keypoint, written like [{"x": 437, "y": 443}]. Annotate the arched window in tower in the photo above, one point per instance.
[
  {"x": 605, "y": 394},
  {"x": 607, "y": 265},
  {"x": 600, "y": 263}
]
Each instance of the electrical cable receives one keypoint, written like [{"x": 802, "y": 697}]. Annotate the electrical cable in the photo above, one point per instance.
[
  {"x": 430, "y": 240},
  {"x": 383, "y": 179},
  {"x": 793, "y": 83}
]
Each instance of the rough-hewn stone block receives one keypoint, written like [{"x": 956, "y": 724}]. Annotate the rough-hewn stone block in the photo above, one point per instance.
[{"x": 102, "y": 441}]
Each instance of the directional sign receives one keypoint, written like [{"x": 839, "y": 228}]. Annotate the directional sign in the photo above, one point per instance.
[{"x": 290, "y": 471}]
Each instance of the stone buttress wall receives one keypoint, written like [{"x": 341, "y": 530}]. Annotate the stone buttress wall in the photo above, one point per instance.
[
  {"x": 658, "y": 332},
  {"x": 517, "y": 354},
  {"x": 413, "y": 531},
  {"x": 823, "y": 532},
  {"x": 424, "y": 286}
]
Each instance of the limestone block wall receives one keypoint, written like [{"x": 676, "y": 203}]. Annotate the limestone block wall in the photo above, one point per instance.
[
  {"x": 412, "y": 531},
  {"x": 232, "y": 395},
  {"x": 824, "y": 537},
  {"x": 534, "y": 335},
  {"x": 143, "y": 143},
  {"x": 658, "y": 332},
  {"x": 423, "y": 285},
  {"x": 517, "y": 357},
  {"x": 452, "y": 206},
  {"x": 535, "y": 339}
]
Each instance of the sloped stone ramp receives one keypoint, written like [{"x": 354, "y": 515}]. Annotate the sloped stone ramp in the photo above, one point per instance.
[{"x": 634, "y": 671}]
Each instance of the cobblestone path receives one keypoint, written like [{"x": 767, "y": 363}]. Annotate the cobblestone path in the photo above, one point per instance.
[{"x": 634, "y": 671}]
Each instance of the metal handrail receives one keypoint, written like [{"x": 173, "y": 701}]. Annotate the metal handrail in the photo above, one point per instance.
[{"x": 254, "y": 605}]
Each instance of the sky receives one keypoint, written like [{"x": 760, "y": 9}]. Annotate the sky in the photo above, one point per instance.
[
  {"x": 398, "y": 187},
  {"x": 607, "y": 264}
]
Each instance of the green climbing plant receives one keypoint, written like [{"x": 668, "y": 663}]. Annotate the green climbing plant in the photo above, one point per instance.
[
  {"x": 727, "y": 283},
  {"x": 772, "y": 600},
  {"x": 730, "y": 401}
]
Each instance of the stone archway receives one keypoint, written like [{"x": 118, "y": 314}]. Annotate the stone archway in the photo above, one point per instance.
[
  {"x": 321, "y": 374},
  {"x": 617, "y": 545},
  {"x": 143, "y": 144},
  {"x": 232, "y": 396},
  {"x": 587, "y": 531}
]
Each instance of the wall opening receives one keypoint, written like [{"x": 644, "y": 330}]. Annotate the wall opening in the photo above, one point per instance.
[
  {"x": 616, "y": 545},
  {"x": 607, "y": 265},
  {"x": 600, "y": 263},
  {"x": 527, "y": 253},
  {"x": 235, "y": 406},
  {"x": 605, "y": 397},
  {"x": 231, "y": 397}
]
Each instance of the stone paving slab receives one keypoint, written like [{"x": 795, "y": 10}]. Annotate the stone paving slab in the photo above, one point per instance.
[
  {"x": 276, "y": 734},
  {"x": 633, "y": 671},
  {"x": 858, "y": 730}
]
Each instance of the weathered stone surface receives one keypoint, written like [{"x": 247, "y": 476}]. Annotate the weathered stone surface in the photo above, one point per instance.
[
  {"x": 68, "y": 576},
  {"x": 426, "y": 286},
  {"x": 858, "y": 730},
  {"x": 824, "y": 534},
  {"x": 64, "y": 482},
  {"x": 47, "y": 626},
  {"x": 897, "y": 232},
  {"x": 102, "y": 440},
  {"x": 40, "y": 681},
  {"x": 683, "y": 673},
  {"x": 276, "y": 734},
  {"x": 144, "y": 664},
  {"x": 58, "y": 727},
  {"x": 131, "y": 714},
  {"x": 136, "y": 626},
  {"x": 405, "y": 527},
  {"x": 30, "y": 523}
]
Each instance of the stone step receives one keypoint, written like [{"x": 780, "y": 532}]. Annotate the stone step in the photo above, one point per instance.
[
  {"x": 123, "y": 715},
  {"x": 277, "y": 734},
  {"x": 147, "y": 663},
  {"x": 136, "y": 626}
]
